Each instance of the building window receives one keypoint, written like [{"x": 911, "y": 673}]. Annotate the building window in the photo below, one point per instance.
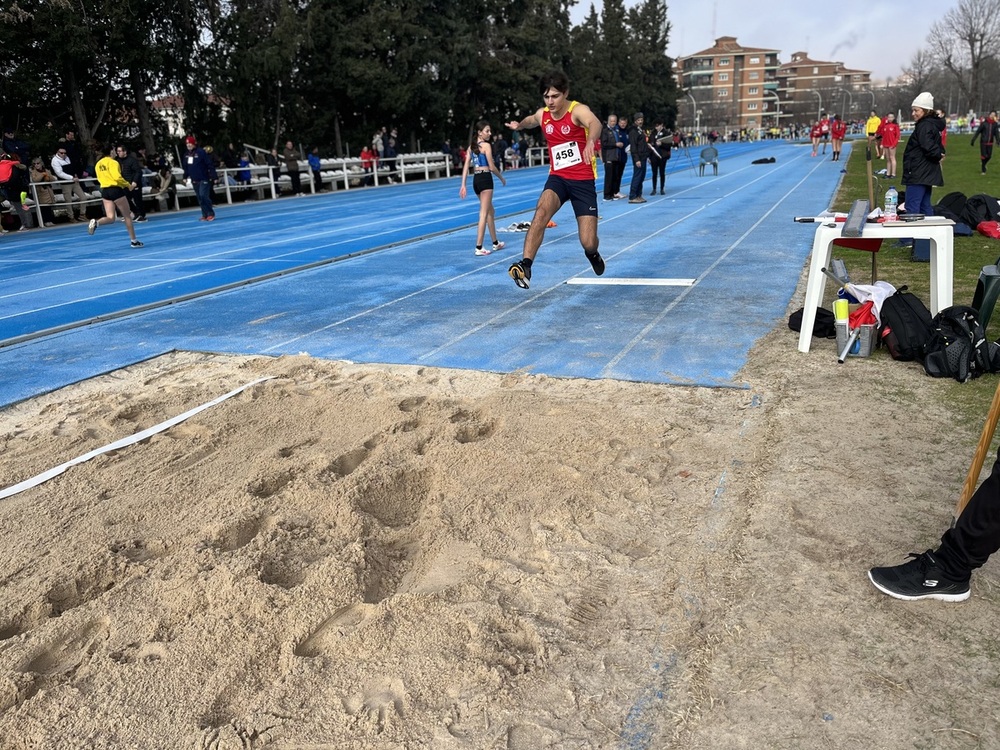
[
  {"x": 724, "y": 61},
  {"x": 855, "y": 78},
  {"x": 755, "y": 61},
  {"x": 752, "y": 90},
  {"x": 752, "y": 105},
  {"x": 815, "y": 71},
  {"x": 754, "y": 75},
  {"x": 723, "y": 76},
  {"x": 723, "y": 92}
]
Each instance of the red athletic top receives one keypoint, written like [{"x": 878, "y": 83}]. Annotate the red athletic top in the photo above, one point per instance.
[
  {"x": 838, "y": 129},
  {"x": 566, "y": 141},
  {"x": 815, "y": 131},
  {"x": 890, "y": 134}
]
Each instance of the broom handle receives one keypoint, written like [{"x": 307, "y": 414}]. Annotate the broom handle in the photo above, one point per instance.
[
  {"x": 980, "y": 455},
  {"x": 868, "y": 169}
]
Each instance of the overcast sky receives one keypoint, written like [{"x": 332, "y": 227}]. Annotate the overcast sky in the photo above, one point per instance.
[{"x": 876, "y": 36}]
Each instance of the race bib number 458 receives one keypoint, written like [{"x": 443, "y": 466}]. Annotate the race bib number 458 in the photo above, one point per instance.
[{"x": 566, "y": 155}]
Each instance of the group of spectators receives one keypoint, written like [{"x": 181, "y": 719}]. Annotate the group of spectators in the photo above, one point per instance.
[
  {"x": 69, "y": 168},
  {"x": 621, "y": 143}
]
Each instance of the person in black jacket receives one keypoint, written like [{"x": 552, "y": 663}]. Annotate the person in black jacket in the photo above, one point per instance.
[
  {"x": 131, "y": 170},
  {"x": 639, "y": 149},
  {"x": 988, "y": 132},
  {"x": 609, "y": 155},
  {"x": 923, "y": 155}
]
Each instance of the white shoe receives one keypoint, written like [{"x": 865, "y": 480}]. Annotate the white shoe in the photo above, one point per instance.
[
  {"x": 483, "y": 251},
  {"x": 499, "y": 245},
  {"x": 92, "y": 226}
]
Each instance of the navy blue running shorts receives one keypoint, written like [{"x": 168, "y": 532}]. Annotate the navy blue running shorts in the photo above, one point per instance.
[
  {"x": 582, "y": 193},
  {"x": 112, "y": 193}
]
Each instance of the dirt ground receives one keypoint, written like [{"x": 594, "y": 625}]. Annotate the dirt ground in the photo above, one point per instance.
[{"x": 350, "y": 556}]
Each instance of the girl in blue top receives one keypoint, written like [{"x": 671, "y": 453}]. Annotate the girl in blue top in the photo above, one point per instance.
[{"x": 480, "y": 158}]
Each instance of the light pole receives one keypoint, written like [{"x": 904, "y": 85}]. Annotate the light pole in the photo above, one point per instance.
[
  {"x": 850, "y": 100},
  {"x": 872, "y": 94},
  {"x": 819, "y": 111},
  {"x": 778, "y": 100},
  {"x": 694, "y": 109}
]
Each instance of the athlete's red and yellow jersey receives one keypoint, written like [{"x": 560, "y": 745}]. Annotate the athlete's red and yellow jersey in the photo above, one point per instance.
[{"x": 566, "y": 141}]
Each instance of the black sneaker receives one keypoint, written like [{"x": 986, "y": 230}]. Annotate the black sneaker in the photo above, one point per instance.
[
  {"x": 597, "y": 262},
  {"x": 136, "y": 243},
  {"x": 920, "y": 578},
  {"x": 520, "y": 274}
]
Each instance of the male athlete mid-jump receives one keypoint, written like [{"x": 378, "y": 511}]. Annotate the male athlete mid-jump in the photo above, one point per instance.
[{"x": 570, "y": 130}]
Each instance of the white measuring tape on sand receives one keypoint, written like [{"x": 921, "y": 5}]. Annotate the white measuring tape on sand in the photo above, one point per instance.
[{"x": 124, "y": 442}]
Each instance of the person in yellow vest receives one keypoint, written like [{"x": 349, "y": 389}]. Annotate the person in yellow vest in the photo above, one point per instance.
[
  {"x": 114, "y": 189},
  {"x": 871, "y": 130}
]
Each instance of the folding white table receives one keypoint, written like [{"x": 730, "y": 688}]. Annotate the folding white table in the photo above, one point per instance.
[{"x": 942, "y": 266}]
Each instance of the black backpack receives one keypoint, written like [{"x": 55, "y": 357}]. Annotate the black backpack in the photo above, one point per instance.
[
  {"x": 979, "y": 208},
  {"x": 824, "y": 326},
  {"x": 952, "y": 206},
  {"x": 906, "y": 326},
  {"x": 959, "y": 348}
]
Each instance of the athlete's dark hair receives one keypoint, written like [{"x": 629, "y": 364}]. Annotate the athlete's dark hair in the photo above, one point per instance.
[
  {"x": 474, "y": 141},
  {"x": 554, "y": 79}
]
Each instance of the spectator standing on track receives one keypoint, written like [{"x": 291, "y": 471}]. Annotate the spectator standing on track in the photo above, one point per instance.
[
  {"x": 71, "y": 189},
  {"x": 199, "y": 169},
  {"x": 41, "y": 177},
  {"x": 609, "y": 155},
  {"x": 131, "y": 170},
  {"x": 622, "y": 130},
  {"x": 571, "y": 131},
  {"x": 660, "y": 143},
  {"x": 814, "y": 135},
  {"x": 639, "y": 149},
  {"x": 922, "y": 156},
  {"x": 988, "y": 132},
  {"x": 291, "y": 157},
  {"x": 479, "y": 157},
  {"x": 838, "y": 129},
  {"x": 113, "y": 193},
  {"x": 824, "y": 130}
]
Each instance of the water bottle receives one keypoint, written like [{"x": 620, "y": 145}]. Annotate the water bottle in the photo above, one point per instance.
[{"x": 891, "y": 201}]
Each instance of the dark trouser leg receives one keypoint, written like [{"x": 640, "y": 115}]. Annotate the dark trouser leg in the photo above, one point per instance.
[
  {"x": 610, "y": 168},
  {"x": 985, "y": 153},
  {"x": 619, "y": 171},
  {"x": 976, "y": 535}
]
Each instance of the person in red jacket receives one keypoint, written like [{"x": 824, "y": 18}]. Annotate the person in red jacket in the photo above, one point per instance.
[
  {"x": 889, "y": 131},
  {"x": 838, "y": 129},
  {"x": 815, "y": 133}
]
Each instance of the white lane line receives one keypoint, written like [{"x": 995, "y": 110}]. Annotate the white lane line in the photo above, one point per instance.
[
  {"x": 609, "y": 281},
  {"x": 606, "y": 370}
]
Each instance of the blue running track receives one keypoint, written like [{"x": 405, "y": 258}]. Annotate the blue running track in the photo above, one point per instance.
[{"x": 388, "y": 275}]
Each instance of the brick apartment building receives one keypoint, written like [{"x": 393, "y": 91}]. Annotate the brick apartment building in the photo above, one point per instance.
[
  {"x": 808, "y": 87},
  {"x": 731, "y": 87}
]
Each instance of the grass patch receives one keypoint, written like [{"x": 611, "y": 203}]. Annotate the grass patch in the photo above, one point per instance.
[{"x": 961, "y": 167}]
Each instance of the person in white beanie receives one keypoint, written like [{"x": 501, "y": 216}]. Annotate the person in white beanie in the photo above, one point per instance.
[{"x": 923, "y": 155}]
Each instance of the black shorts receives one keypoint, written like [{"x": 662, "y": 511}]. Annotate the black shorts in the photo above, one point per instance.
[
  {"x": 482, "y": 181},
  {"x": 582, "y": 193},
  {"x": 112, "y": 193}
]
